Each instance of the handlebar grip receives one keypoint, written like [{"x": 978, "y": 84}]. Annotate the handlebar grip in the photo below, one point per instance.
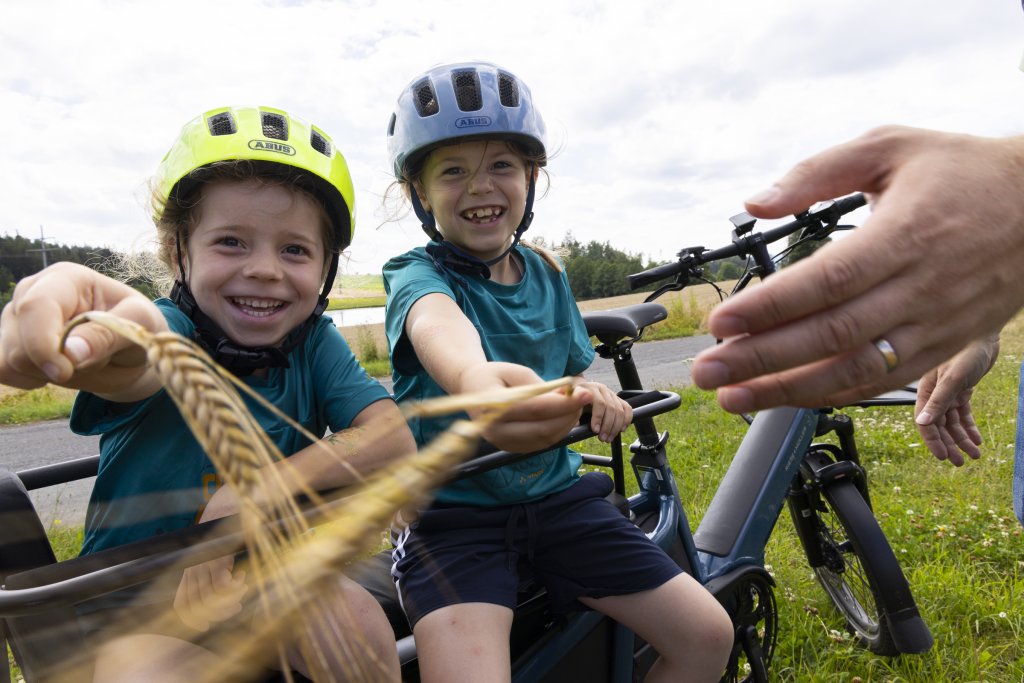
[
  {"x": 851, "y": 203},
  {"x": 662, "y": 272}
]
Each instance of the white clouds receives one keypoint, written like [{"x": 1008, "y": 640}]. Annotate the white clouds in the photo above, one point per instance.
[{"x": 667, "y": 113}]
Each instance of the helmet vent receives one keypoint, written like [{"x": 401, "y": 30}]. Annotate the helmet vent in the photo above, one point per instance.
[
  {"x": 320, "y": 143},
  {"x": 425, "y": 98},
  {"x": 467, "y": 90},
  {"x": 508, "y": 90},
  {"x": 222, "y": 124},
  {"x": 274, "y": 125}
]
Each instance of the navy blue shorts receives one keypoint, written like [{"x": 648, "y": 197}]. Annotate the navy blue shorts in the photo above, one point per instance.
[{"x": 575, "y": 543}]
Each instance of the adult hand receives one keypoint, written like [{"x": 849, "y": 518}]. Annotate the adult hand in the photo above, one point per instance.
[
  {"x": 933, "y": 267},
  {"x": 943, "y": 410},
  {"x": 532, "y": 424},
  {"x": 94, "y": 358}
]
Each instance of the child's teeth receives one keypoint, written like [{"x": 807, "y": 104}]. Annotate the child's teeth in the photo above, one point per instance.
[
  {"x": 258, "y": 307},
  {"x": 483, "y": 213}
]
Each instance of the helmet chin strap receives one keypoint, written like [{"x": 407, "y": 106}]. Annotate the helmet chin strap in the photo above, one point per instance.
[
  {"x": 447, "y": 255},
  {"x": 243, "y": 360}
]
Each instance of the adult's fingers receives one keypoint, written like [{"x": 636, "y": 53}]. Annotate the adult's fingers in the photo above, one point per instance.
[
  {"x": 834, "y": 329},
  {"x": 940, "y": 395},
  {"x": 970, "y": 426},
  {"x": 857, "y": 165},
  {"x": 840, "y": 380},
  {"x": 931, "y": 435}
]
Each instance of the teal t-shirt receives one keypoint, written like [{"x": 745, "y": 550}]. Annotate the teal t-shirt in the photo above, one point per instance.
[
  {"x": 153, "y": 475},
  {"x": 534, "y": 322}
]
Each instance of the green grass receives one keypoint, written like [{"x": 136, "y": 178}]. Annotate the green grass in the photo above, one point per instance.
[
  {"x": 953, "y": 530},
  {"x": 336, "y": 304},
  {"x": 685, "y": 319},
  {"x": 361, "y": 282},
  {"x": 46, "y": 403}
]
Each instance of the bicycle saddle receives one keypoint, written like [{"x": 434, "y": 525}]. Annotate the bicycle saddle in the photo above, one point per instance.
[{"x": 622, "y": 323}]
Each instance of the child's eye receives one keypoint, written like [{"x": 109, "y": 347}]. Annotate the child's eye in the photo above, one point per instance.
[
  {"x": 230, "y": 241},
  {"x": 295, "y": 250},
  {"x": 451, "y": 170}
]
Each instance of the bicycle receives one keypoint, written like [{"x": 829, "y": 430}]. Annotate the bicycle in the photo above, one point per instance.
[
  {"x": 823, "y": 485},
  {"x": 827, "y": 495}
]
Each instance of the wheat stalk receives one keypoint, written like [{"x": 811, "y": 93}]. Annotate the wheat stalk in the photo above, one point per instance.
[{"x": 290, "y": 567}]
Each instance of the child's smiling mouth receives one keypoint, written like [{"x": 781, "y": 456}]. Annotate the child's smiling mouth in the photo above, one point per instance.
[
  {"x": 257, "y": 308},
  {"x": 483, "y": 214}
]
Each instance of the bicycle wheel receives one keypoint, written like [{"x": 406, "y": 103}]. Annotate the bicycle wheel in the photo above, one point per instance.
[{"x": 857, "y": 563}]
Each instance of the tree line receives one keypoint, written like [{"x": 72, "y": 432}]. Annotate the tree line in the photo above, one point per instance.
[
  {"x": 21, "y": 257},
  {"x": 595, "y": 269}
]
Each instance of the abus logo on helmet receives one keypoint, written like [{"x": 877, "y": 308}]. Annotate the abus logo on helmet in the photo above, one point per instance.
[
  {"x": 268, "y": 146},
  {"x": 471, "y": 121}
]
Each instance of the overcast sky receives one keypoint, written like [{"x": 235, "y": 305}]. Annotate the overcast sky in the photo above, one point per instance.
[{"x": 665, "y": 114}]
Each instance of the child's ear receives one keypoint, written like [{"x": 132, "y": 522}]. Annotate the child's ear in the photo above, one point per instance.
[{"x": 421, "y": 195}]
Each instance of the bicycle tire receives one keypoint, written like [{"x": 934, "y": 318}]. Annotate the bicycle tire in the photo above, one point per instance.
[{"x": 859, "y": 562}]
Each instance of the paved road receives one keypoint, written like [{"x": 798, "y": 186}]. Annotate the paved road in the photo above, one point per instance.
[{"x": 662, "y": 365}]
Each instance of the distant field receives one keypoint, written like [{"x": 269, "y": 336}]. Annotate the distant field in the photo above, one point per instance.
[{"x": 358, "y": 286}]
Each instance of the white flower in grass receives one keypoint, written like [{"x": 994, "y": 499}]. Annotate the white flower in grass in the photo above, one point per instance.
[{"x": 1002, "y": 615}]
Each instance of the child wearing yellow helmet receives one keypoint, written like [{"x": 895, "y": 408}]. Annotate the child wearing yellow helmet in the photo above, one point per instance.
[
  {"x": 252, "y": 208},
  {"x": 475, "y": 310}
]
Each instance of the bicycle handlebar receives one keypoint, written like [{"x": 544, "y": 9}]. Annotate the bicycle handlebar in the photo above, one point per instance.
[{"x": 824, "y": 217}]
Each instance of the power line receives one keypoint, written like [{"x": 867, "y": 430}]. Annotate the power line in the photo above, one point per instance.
[{"x": 42, "y": 245}]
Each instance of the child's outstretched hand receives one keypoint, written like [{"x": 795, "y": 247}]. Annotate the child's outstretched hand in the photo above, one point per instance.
[
  {"x": 533, "y": 424},
  {"x": 94, "y": 358},
  {"x": 609, "y": 414}
]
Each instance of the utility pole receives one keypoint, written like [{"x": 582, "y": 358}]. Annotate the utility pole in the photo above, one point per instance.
[{"x": 42, "y": 245}]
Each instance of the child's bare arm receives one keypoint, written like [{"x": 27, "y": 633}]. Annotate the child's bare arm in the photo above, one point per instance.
[
  {"x": 319, "y": 471},
  {"x": 94, "y": 359},
  {"x": 449, "y": 348}
]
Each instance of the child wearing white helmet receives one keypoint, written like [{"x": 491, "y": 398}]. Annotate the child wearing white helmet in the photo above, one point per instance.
[
  {"x": 476, "y": 309},
  {"x": 252, "y": 208}
]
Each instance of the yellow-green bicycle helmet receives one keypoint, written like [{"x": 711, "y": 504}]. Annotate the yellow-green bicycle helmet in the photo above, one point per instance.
[
  {"x": 266, "y": 136},
  {"x": 279, "y": 144}
]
